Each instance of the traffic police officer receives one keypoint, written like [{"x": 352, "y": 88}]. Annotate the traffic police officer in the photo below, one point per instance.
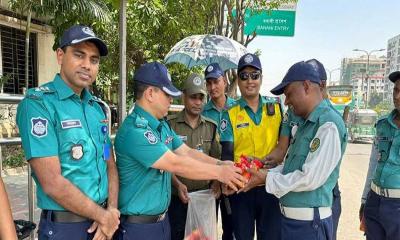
[
  {"x": 310, "y": 171},
  {"x": 216, "y": 84},
  {"x": 197, "y": 132},
  {"x": 65, "y": 139},
  {"x": 383, "y": 180},
  {"x": 148, "y": 151},
  {"x": 289, "y": 121},
  {"x": 251, "y": 128}
]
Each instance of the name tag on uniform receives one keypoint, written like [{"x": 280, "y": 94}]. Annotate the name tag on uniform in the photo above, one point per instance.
[
  {"x": 242, "y": 125},
  {"x": 71, "y": 124},
  {"x": 183, "y": 138}
]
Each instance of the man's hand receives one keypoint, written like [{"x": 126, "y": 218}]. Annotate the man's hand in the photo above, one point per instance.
[
  {"x": 231, "y": 176},
  {"x": 216, "y": 189},
  {"x": 109, "y": 222},
  {"x": 183, "y": 193},
  {"x": 227, "y": 190},
  {"x": 99, "y": 235},
  {"x": 257, "y": 178},
  {"x": 271, "y": 161}
]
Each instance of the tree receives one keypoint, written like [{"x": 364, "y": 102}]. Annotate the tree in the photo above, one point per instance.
[{"x": 57, "y": 13}]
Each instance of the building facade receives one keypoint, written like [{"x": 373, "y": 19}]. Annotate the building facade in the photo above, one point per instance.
[
  {"x": 393, "y": 64},
  {"x": 367, "y": 76}
]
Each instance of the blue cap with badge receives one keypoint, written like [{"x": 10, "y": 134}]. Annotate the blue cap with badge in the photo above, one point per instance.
[
  {"x": 300, "y": 71},
  {"x": 320, "y": 68},
  {"x": 213, "y": 70},
  {"x": 156, "y": 74},
  {"x": 79, "y": 33},
  {"x": 249, "y": 60}
]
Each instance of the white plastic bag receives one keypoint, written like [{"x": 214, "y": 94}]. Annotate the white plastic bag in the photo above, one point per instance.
[{"x": 201, "y": 220}]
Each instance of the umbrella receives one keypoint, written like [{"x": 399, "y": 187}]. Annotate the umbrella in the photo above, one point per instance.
[{"x": 205, "y": 49}]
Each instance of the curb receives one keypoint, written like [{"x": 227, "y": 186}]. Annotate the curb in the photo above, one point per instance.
[{"x": 15, "y": 171}]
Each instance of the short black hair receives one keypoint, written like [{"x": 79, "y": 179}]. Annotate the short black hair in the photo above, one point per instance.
[{"x": 138, "y": 89}]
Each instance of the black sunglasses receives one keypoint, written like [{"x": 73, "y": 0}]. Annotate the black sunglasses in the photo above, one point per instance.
[{"x": 246, "y": 75}]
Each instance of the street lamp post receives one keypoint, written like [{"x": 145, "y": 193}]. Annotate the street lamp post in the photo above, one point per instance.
[
  {"x": 367, "y": 71},
  {"x": 330, "y": 74}
]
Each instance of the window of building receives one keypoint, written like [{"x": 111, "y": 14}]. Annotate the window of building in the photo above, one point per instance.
[{"x": 12, "y": 43}]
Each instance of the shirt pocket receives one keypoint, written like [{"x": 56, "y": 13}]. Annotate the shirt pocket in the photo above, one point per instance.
[{"x": 74, "y": 144}]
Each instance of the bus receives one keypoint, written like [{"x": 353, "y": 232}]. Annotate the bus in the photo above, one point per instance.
[
  {"x": 362, "y": 125},
  {"x": 341, "y": 96}
]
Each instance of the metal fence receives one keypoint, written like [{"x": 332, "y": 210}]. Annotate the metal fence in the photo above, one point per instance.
[{"x": 15, "y": 99}]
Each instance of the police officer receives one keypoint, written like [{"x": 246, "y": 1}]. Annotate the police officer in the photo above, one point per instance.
[
  {"x": 219, "y": 101},
  {"x": 65, "y": 139},
  {"x": 290, "y": 119},
  {"x": 382, "y": 188},
  {"x": 148, "y": 151},
  {"x": 310, "y": 171},
  {"x": 197, "y": 132},
  {"x": 251, "y": 128}
]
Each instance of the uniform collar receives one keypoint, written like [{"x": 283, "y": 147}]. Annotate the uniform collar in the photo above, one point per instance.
[
  {"x": 261, "y": 102},
  {"x": 152, "y": 121},
  {"x": 64, "y": 91},
  {"x": 211, "y": 105},
  {"x": 181, "y": 118},
  {"x": 314, "y": 115}
]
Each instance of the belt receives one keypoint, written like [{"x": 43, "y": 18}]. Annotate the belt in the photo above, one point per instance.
[
  {"x": 305, "y": 214},
  {"x": 144, "y": 219},
  {"x": 385, "y": 192},
  {"x": 64, "y": 216}
]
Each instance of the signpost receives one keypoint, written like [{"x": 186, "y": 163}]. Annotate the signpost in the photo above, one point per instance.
[{"x": 278, "y": 22}]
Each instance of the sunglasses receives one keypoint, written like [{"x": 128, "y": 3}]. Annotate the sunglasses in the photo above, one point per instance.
[{"x": 246, "y": 75}]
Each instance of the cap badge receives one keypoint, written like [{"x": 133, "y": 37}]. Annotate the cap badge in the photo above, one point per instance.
[
  {"x": 197, "y": 81},
  {"x": 248, "y": 59},
  {"x": 88, "y": 31},
  {"x": 210, "y": 68}
]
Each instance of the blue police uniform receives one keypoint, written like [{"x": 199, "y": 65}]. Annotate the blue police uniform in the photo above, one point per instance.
[
  {"x": 54, "y": 121},
  {"x": 289, "y": 121},
  {"x": 145, "y": 192},
  {"x": 214, "y": 71},
  {"x": 381, "y": 217},
  {"x": 140, "y": 142},
  {"x": 305, "y": 182}
]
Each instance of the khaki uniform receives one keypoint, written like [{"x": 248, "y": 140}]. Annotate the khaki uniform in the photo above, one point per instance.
[{"x": 203, "y": 138}]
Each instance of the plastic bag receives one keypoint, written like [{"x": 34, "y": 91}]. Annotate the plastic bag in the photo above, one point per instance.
[{"x": 201, "y": 220}]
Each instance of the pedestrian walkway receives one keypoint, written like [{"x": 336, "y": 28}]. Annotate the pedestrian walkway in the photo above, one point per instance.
[{"x": 17, "y": 189}]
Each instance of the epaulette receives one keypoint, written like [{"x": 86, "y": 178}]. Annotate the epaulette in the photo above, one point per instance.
[
  {"x": 37, "y": 93},
  {"x": 141, "y": 122},
  {"x": 381, "y": 119},
  {"x": 173, "y": 116},
  {"x": 209, "y": 120}
]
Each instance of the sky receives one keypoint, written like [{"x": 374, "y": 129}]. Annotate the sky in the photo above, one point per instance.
[{"x": 328, "y": 30}]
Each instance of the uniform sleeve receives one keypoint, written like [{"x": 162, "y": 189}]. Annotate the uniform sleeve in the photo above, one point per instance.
[
  {"x": 285, "y": 126},
  {"x": 177, "y": 141},
  {"x": 37, "y": 129},
  {"x": 140, "y": 145},
  {"x": 373, "y": 162},
  {"x": 225, "y": 128},
  {"x": 316, "y": 169}
]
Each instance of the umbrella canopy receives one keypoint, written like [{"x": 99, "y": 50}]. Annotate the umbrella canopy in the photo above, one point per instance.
[{"x": 205, "y": 49}]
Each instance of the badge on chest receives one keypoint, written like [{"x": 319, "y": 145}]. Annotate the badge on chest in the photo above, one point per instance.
[{"x": 77, "y": 151}]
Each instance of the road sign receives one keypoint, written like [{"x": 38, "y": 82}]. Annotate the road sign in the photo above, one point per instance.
[{"x": 279, "y": 22}]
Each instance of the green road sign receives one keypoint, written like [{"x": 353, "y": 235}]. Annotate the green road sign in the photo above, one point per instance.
[{"x": 270, "y": 23}]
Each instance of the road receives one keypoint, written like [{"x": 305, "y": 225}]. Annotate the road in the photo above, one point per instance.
[{"x": 352, "y": 176}]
